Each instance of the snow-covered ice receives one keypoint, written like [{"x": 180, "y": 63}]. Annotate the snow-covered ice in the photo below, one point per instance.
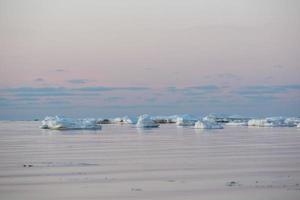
[
  {"x": 145, "y": 121},
  {"x": 63, "y": 123}
]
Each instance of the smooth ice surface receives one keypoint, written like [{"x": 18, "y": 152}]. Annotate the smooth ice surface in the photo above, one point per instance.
[
  {"x": 168, "y": 163},
  {"x": 145, "y": 121},
  {"x": 63, "y": 123}
]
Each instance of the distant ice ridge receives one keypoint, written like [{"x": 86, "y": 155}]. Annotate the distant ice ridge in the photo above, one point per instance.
[
  {"x": 63, "y": 123},
  {"x": 186, "y": 120},
  {"x": 145, "y": 121}
]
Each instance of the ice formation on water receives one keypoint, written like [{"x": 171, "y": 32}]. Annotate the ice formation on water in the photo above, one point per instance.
[
  {"x": 186, "y": 120},
  {"x": 145, "y": 121},
  {"x": 268, "y": 122},
  {"x": 292, "y": 121},
  {"x": 202, "y": 124},
  {"x": 122, "y": 120},
  {"x": 63, "y": 123}
]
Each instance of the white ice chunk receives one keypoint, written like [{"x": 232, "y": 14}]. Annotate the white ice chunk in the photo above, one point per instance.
[
  {"x": 62, "y": 123},
  {"x": 145, "y": 121}
]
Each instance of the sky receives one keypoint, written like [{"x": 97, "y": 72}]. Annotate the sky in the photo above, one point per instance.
[{"x": 104, "y": 58}]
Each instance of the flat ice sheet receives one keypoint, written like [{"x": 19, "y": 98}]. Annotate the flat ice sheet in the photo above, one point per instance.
[{"x": 170, "y": 162}]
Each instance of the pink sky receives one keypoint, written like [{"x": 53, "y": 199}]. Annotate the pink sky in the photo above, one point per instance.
[{"x": 157, "y": 44}]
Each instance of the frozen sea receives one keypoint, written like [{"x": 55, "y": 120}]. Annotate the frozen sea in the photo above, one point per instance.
[{"x": 170, "y": 162}]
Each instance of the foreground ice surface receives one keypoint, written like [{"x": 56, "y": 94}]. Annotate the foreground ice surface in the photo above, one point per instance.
[
  {"x": 145, "y": 121},
  {"x": 63, "y": 123}
]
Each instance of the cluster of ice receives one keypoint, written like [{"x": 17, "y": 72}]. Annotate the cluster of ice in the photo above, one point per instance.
[
  {"x": 145, "y": 121},
  {"x": 186, "y": 120},
  {"x": 292, "y": 121},
  {"x": 269, "y": 122},
  {"x": 62, "y": 123}
]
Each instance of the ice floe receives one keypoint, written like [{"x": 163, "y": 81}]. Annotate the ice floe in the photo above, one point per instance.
[
  {"x": 145, "y": 121},
  {"x": 63, "y": 123}
]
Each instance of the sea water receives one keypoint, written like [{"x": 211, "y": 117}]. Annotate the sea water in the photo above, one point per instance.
[{"x": 170, "y": 162}]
